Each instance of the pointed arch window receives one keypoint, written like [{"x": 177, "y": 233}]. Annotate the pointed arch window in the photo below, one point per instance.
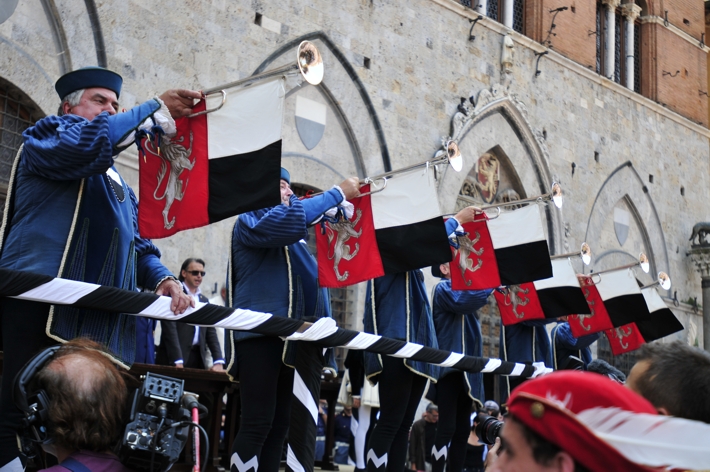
[{"x": 619, "y": 43}]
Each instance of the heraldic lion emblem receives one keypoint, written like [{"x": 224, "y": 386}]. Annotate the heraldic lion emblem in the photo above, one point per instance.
[
  {"x": 465, "y": 249},
  {"x": 342, "y": 231},
  {"x": 177, "y": 157},
  {"x": 514, "y": 295}
]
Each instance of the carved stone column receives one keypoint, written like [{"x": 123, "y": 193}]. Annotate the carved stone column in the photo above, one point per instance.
[
  {"x": 700, "y": 255},
  {"x": 481, "y": 7},
  {"x": 630, "y": 11},
  {"x": 508, "y": 9},
  {"x": 610, "y": 37}
]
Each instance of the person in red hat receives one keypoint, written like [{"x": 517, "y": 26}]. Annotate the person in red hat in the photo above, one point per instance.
[{"x": 571, "y": 421}]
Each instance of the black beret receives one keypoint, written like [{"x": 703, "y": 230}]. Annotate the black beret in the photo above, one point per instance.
[{"x": 88, "y": 77}]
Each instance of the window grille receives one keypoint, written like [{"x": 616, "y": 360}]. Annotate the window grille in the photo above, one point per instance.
[
  {"x": 493, "y": 9},
  {"x": 519, "y": 16},
  {"x": 600, "y": 41},
  {"x": 466, "y": 3},
  {"x": 619, "y": 31},
  {"x": 637, "y": 57},
  {"x": 495, "y": 12},
  {"x": 619, "y": 44},
  {"x": 15, "y": 117}
]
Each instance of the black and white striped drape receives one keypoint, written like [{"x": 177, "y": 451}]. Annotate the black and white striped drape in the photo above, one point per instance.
[
  {"x": 324, "y": 332},
  {"x": 315, "y": 336}
]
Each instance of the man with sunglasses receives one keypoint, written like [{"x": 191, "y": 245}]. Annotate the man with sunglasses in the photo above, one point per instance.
[{"x": 184, "y": 345}]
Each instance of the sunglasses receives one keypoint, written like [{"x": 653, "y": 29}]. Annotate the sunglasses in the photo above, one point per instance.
[{"x": 195, "y": 273}]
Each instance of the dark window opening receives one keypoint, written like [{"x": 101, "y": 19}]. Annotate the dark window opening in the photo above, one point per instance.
[
  {"x": 619, "y": 31},
  {"x": 17, "y": 113}
]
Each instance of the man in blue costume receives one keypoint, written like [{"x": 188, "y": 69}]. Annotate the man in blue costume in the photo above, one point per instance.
[
  {"x": 70, "y": 214},
  {"x": 457, "y": 330},
  {"x": 525, "y": 342},
  {"x": 272, "y": 271},
  {"x": 397, "y": 307},
  {"x": 564, "y": 345}
]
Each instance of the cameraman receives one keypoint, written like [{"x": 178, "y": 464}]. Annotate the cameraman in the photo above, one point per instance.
[{"x": 87, "y": 397}]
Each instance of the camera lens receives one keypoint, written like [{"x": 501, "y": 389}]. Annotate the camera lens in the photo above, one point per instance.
[{"x": 488, "y": 429}]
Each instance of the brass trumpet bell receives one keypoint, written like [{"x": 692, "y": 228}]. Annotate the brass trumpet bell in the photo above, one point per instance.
[
  {"x": 664, "y": 281},
  {"x": 557, "y": 196},
  {"x": 454, "y": 155},
  {"x": 310, "y": 63},
  {"x": 586, "y": 254},
  {"x": 643, "y": 263}
]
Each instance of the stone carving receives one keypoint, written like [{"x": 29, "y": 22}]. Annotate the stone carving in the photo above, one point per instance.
[
  {"x": 488, "y": 176},
  {"x": 700, "y": 234},
  {"x": 506, "y": 61}
]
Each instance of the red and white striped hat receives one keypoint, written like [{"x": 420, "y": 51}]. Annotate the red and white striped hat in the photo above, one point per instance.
[{"x": 605, "y": 426}]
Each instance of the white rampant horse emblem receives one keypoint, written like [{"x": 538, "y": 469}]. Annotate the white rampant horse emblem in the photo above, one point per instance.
[
  {"x": 175, "y": 155},
  {"x": 621, "y": 333},
  {"x": 342, "y": 231},
  {"x": 516, "y": 300},
  {"x": 465, "y": 249}
]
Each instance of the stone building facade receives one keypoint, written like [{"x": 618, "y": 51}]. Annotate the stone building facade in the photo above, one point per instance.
[{"x": 528, "y": 103}]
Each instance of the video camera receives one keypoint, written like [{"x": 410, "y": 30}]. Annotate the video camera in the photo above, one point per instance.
[{"x": 157, "y": 426}]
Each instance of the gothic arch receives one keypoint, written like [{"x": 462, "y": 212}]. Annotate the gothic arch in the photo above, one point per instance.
[
  {"x": 625, "y": 184},
  {"x": 499, "y": 119}
]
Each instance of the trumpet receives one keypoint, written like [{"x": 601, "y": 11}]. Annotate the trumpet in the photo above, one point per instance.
[
  {"x": 663, "y": 280},
  {"x": 642, "y": 262},
  {"x": 452, "y": 156},
  {"x": 585, "y": 253},
  {"x": 309, "y": 64},
  {"x": 555, "y": 196}
]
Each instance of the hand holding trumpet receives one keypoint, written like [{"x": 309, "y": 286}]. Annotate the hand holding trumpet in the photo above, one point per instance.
[{"x": 467, "y": 215}]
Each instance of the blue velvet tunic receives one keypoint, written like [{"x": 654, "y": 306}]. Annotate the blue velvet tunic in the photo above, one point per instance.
[
  {"x": 73, "y": 216},
  {"x": 458, "y": 328},
  {"x": 272, "y": 270}
]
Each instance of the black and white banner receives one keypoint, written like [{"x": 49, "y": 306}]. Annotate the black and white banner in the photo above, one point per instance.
[
  {"x": 561, "y": 295},
  {"x": 325, "y": 332}
]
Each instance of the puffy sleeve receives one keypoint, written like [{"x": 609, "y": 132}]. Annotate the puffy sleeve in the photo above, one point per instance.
[
  {"x": 319, "y": 204},
  {"x": 460, "y": 301},
  {"x": 276, "y": 227},
  {"x": 71, "y": 147},
  {"x": 566, "y": 339},
  {"x": 149, "y": 270}
]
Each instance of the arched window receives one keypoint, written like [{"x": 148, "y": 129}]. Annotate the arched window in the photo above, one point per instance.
[
  {"x": 509, "y": 12},
  {"x": 17, "y": 113},
  {"x": 619, "y": 43}
]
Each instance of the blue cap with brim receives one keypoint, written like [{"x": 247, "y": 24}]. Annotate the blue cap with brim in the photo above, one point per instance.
[
  {"x": 285, "y": 176},
  {"x": 88, "y": 77}
]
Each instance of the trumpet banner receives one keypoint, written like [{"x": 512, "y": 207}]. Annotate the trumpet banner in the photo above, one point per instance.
[
  {"x": 347, "y": 249},
  {"x": 474, "y": 265},
  {"x": 520, "y": 303},
  {"x": 598, "y": 319}
]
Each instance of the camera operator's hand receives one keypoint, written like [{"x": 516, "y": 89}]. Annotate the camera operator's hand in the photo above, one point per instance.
[{"x": 492, "y": 456}]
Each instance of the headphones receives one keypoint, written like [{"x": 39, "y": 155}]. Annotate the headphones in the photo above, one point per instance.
[{"x": 33, "y": 404}]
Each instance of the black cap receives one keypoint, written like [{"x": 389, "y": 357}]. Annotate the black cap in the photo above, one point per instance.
[{"x": 88, "y": 77}]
